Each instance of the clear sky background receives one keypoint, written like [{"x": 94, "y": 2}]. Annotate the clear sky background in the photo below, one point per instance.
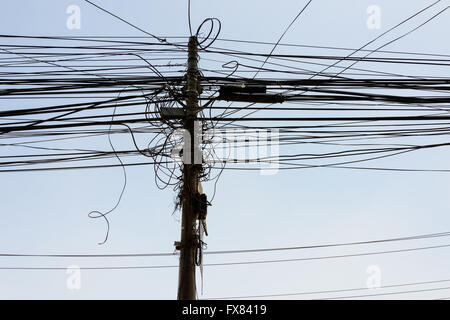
[{"x": 46, "y": 212}]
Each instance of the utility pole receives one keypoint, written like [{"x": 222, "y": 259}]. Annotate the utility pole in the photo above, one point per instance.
[{"x": 189, "y": 241}]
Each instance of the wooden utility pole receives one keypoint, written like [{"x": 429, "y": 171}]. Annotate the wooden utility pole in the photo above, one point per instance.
[{"x": 189, "y": 241}]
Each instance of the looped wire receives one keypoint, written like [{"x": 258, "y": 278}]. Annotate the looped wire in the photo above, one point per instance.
[
  {"x": 233, "y": 64},
  {"x": 213, "y": 21}
]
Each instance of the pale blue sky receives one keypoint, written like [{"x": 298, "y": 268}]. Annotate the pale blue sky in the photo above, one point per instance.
[{"x": 47, "y": 212}]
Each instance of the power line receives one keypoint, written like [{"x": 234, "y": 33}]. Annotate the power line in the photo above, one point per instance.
[
  {"x": 166, "y": 254},
  {"x": 281, "y": 37},
  {"x": 387, "y": 293},
  {"x": 125, "y": 21},
  {"x": 261, "y": 296},
  {"x": 236, "y": 263}
]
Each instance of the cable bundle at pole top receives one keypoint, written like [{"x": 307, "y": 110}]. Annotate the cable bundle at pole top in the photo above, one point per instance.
[{"x": 68, "y": 92}]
